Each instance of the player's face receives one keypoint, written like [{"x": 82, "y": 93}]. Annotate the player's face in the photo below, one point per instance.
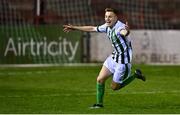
[{"x": 110, "y": 19}]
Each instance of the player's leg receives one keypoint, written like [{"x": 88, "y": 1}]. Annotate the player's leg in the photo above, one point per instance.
[
  {"x": 102, "y": 77},
  {"x": 128, "y": 79},
  {"x": 137, "y": 74},
  {"x": 122, "y": 76},
  {"x": 104, "y": 74}
]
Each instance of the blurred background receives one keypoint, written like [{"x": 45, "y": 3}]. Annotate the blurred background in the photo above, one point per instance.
[{"x": 31, "y": 31}]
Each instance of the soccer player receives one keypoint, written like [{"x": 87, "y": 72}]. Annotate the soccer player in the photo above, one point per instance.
[{"x": 118, "y": 64}]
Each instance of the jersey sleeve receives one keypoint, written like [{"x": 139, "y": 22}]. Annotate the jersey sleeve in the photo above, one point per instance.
[
  {"x": 121, "y": 26},
  {"x": 101, "y": 28}
]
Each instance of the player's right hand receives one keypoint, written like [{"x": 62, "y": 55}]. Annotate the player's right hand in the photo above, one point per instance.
[{"x": 67, "y": 28}]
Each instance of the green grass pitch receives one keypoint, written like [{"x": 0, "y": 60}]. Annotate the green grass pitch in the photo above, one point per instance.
[{"x": 73, "y": 90}]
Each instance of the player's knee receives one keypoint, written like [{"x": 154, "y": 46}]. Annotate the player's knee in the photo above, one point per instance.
[
  {"x": 100, "y": 80},
  {"x": 115, "y": 86}
]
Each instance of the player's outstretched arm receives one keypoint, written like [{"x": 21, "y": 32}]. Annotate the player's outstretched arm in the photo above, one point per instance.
[
  {"x": 125, "y": 31},
  {"x": 68, "y": 28}
]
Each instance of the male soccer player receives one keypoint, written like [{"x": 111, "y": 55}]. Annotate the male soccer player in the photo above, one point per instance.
[{"x": 118, "y": 64}]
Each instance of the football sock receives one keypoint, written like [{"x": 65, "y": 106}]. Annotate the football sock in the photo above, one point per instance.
[
  {"x": 100, "y": 93},
  {"x": 128, "y": 80}
]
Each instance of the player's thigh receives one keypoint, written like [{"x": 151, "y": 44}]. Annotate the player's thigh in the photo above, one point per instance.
[
  {"x": 104, "y": 74},
  {"x": 121, "y": 72},
  {"x": 117, "y": 77}
]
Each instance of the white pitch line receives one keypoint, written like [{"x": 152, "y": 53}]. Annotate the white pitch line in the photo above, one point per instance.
[
  {"x": 29, "y": 72},
  {"x": 86, "y": 94},
  {"x": 50, "y": 65}
]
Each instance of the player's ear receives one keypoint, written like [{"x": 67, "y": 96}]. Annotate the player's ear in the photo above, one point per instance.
[
  {"x": 127, "y": 23},
  {"x": 127, "y": 26}
]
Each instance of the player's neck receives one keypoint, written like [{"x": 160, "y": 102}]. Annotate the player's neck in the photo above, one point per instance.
[{"x": 113, "y": 24}]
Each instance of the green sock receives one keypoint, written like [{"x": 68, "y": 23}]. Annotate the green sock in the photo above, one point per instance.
[
  {"x": 128, "y": 80},
  {"x": 100, "y": 93}
]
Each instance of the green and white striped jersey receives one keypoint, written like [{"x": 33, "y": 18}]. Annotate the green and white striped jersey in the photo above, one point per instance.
[{"x": 122, "y": 45}]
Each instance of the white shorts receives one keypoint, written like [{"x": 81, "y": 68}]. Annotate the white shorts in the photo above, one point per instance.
[{"x": 119, "y": 71}]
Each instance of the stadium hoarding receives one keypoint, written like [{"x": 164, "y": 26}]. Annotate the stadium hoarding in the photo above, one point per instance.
[
  {"x": 42, "y": 44},
  {"x": 149, "y": 47},
  {"x": 156, "y": 46}
]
